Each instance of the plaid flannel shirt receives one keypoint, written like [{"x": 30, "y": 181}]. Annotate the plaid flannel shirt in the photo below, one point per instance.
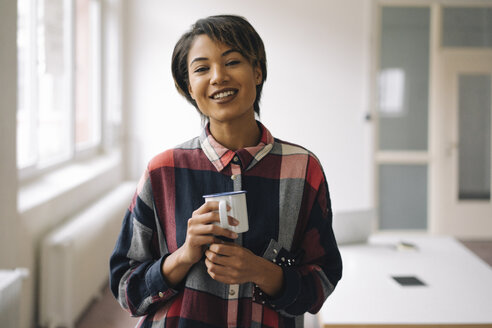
[{"x": 290, "y": 218}]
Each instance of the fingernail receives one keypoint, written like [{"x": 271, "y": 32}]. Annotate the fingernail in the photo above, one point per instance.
[{"x": 235, "y": 222}]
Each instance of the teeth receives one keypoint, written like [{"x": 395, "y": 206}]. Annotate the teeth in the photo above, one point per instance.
[{"x": 224, "y": 94}]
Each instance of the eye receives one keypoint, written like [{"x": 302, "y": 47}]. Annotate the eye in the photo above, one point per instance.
[
  {"x": 233, "y": 62},
  {"x": 200, "y": 69}
]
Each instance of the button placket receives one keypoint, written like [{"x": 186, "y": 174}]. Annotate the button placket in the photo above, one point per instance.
[
  {"x": 236, "y": 176},
  {"x": 233, "y": 291}
]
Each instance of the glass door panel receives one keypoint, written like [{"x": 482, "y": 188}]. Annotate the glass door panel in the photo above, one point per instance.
[
  {"x": 403, "y": 197},
  {"x": 467, "y": 27},
  {"x": 404, "y": 79},
  {"x": 474, "y": 117}
]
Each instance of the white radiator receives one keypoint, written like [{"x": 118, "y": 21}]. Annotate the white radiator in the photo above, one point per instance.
[
  {"x": 75, "y": 258},
  {"x": 10, "y": 290}
]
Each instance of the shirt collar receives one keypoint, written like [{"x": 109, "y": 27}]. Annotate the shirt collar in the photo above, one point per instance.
[{"x": 221, "y": 157}]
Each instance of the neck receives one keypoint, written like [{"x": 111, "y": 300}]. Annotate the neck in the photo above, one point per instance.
[{"x": 236, "y": 134}]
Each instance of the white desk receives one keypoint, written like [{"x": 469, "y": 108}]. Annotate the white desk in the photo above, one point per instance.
[{"x": 458, "y": 289}]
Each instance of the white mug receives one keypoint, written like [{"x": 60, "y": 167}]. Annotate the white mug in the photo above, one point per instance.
[{"x": 237, "y": 202}]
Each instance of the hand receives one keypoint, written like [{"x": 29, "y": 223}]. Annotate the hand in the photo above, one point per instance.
[
  {"x": 202, "y": 232},
  {"x": 232, "y": 264}
]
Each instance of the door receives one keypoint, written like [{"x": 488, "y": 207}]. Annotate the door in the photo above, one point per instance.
[{"x": 464, "y": 148}]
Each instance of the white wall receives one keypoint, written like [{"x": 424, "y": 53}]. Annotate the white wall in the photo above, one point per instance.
[
  {"x": 316, "y": 93},
  {"x": 8, "y": 105},
  {"x": 9, "y": 223}
]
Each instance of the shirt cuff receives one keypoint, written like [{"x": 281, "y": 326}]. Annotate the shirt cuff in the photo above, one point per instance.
[
  {"x": 292, "y": 281},
  {"x": 156, "y": 284},
  {"x": 290, "y": 290}
]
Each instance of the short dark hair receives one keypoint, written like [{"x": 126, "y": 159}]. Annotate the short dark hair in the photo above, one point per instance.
[{"x": 234, "y": 31}]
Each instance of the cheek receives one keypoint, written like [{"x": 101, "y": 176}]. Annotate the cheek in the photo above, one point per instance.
[
  {"x": 252, "y": 91},
  {"x": 195, "y": 88}
]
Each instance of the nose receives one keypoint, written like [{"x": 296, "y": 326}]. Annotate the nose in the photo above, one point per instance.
[{"x": 219, "y": 74}]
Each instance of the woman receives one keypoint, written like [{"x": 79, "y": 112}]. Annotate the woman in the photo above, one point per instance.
[{"x": 176, "y": 268}]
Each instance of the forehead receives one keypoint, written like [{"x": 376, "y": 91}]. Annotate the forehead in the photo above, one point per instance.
[{"x": 204, "y": 47}]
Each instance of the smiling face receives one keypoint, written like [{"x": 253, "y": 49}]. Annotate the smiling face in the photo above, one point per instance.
[{"x": 221, "y": 81}]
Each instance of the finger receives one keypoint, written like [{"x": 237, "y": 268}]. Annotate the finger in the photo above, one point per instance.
[
  {"x": 218, "y": 241},
  {"x": 232, "y": 221},
  {"x": 198, "y": 240},
  {"x": 220, "y": 273},
  {"x": 210, "y": 217},
  {"x": 224, "y": 249},
  {"x": 216, "y": 269},
  {"x": 215, "y": 258},
  {"x": 204, "y": 218},
  {"x": 209, "y": 207},
  {"x": 213, "y": 230}
]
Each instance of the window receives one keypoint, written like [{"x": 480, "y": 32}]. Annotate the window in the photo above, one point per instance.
[{"x": 60, "y": 114}]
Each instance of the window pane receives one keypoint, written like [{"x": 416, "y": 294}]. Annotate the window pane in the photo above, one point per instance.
[
  {"x": 112, "y": 59},
  {"x": 467, "y": 27},
  {"x": 53, "y": 119},
  {"x": 26, "y": 140},
  {"x": 403, "y": 196},
  {"x": 404, "y": 78},
  {"x": 474, "y": 136},
  {"x": 87, "y": 85}
]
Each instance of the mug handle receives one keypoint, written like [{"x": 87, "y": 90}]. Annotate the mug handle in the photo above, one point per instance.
[{"x": 224, "y": 220}]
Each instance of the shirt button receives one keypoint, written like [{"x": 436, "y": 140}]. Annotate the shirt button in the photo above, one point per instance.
[
  {"x": 232, "y": 292},
  {"x": 235, "y": 159},
  {"x": 233, "y": 177},
  {"x": 161, "y": 294}
]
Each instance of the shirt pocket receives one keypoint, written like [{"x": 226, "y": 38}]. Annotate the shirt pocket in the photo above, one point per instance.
[{"x": 280, "y": 256}]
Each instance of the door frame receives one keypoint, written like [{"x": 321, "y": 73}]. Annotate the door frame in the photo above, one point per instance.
[{"x": 467, "y": 218}]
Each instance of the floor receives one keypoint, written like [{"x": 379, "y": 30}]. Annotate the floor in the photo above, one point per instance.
[
  {"x": 106, "y": 312},
  {"x": 482, "y": 249}
]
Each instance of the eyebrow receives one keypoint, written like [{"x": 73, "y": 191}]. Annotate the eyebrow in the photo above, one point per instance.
[{"x": 225, "y": 53}]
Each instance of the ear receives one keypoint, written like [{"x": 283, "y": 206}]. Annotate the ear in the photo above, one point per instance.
[{"x": 258, "y": 75}]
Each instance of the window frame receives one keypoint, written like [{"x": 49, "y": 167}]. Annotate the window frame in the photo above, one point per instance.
[{"x": 98, "y": 83}]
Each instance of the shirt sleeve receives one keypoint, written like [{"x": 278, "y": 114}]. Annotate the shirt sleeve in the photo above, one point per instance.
[
  {"x": 136, "y": 279},
  {"x": 313, "y": 267}
]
